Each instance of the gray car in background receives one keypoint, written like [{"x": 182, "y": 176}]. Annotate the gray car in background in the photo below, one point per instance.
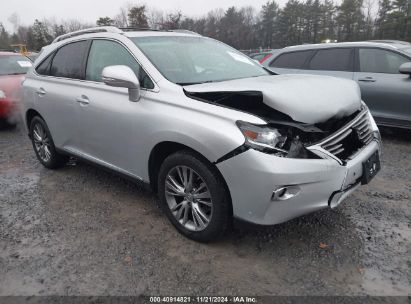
[{"x": 381, "y": 68}]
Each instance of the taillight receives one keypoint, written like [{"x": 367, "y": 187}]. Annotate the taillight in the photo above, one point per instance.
[
  {"x": 265, "y": 58},
  {"x": 5, "y": 105}
]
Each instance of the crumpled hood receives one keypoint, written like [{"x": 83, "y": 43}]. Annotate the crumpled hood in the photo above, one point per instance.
[{"x": 305, "y": 98}]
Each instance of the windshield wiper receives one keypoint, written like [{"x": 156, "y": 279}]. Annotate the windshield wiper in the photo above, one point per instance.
[
  {"x": 187, "y": 83},
  {"x": 193, "y": 83}
]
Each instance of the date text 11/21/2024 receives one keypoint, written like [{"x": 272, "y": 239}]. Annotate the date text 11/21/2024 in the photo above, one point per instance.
[{"x": 203, "y": 299}]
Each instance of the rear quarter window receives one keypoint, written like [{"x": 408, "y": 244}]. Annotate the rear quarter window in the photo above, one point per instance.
[
  {"x": 44, "y": 67},
  {"x": 293, "y": 60}
]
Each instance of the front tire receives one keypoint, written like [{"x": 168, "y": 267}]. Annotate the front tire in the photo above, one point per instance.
[
  {"x": 43, "y": 145},
  {"x": 193, "y": 196}
]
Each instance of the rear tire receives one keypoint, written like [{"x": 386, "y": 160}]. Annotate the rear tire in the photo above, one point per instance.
[
  {"x": 193, "y": 196},
  {"x": 43, "y": 145}
]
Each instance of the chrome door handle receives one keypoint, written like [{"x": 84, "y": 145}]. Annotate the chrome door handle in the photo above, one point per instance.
[
  {"x": 41, "y": 92},
  {"x": 83, "y": 100},
  {"x": 367, "y": 79}
]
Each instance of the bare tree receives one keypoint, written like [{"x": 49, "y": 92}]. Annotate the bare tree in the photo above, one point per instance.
[
  {"x": 14, "y": 19},
  {"x": 72, "y": 25},
  {"x": 121, "y": 19},
  {"x": 155, "y": 18}
]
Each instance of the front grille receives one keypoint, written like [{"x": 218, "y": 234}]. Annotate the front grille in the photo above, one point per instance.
[
  {"x": 350, "y": 138},
  {"x": 363, "y": 128}
]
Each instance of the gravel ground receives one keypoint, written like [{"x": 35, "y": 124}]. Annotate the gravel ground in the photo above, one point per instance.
[{"x": 82, "y": 231}]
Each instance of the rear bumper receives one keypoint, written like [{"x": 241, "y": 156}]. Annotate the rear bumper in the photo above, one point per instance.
[
  {"x": 5, "y": 108},
  {"x": 8, "y": 111},
  {"x": 318, "y": 183}
]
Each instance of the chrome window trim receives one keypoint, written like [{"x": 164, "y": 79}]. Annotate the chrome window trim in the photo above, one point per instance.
[{"x": 156, "y": 88}]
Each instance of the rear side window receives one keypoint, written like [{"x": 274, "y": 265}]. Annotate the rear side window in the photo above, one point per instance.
[
  {"x": 337, "y": 59},
  {"x": 69, "y": 61},
  {"x": 294, "y": 60},
  {"x": 380, "y": 61},
  {"x": 44, "y": 67},
  {"x": 104, "y": 53}
]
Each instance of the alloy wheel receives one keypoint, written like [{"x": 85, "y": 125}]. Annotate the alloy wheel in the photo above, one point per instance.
[
  {"x": 41, "y": 142},
  {"x": 188, "y": 198}
]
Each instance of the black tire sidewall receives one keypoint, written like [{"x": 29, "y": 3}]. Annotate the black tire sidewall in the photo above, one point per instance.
[
  {"x": 56, "y": 160},
  {"x": 220, "y": 217}
]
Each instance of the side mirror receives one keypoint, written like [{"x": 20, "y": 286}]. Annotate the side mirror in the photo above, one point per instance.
[
  {"x": 123, "y": 77},
  {"x": 405, "y": 68}
]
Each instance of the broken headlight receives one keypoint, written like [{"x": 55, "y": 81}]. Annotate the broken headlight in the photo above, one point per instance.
[{"x": 262, "y": 137}]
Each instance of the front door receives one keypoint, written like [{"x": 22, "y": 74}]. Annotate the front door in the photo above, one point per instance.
[
  {"x": 386, "y": 92},
  {"x": 107, "y": 119}
]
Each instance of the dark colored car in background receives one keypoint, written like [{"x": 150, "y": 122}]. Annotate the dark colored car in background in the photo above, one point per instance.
[
  {"x": 381, "y": 68},
  {"x": 13, "y": 67}
]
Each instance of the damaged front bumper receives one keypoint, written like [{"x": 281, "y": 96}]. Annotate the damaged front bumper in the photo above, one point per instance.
[{"x": 269, "y": 190}]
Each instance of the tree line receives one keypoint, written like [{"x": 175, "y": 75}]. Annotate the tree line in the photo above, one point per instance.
[{"x": 297, "y": 22}]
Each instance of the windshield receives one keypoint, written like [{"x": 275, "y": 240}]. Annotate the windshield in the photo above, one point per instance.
[
  {"x": 191, "y": 60},
  {"x": 14, "y": 64}
]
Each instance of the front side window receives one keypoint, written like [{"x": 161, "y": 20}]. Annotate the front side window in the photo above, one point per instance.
[
  {"x": 380, "y": 61},
  {"x": 104, "y": 53},
  {"x": 294, "y": 60},
  {"x": 69, "y": 61},
  {"x": 337, "y": 59},
  {"x": 14, "y": 64},
  {"x": 188, "y": 60}
]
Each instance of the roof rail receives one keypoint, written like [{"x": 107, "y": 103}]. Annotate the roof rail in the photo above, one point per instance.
[
  {"x": 100, "y": 29},
  {"x": 185, "y": 32},
  {"x": 130, "y": 29}
]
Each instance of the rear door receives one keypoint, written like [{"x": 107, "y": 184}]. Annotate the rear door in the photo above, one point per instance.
[
  {"x": 290, "y": 62},
  {"x": 337, "y": 62},
  {"x": 386, "y": 92},
  {"x": 56, "y": 90}
]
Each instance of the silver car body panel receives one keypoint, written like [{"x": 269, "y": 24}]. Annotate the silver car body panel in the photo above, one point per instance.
[
  {"x": 305, "y": 98},
  {"x": 112, "y": 131}
]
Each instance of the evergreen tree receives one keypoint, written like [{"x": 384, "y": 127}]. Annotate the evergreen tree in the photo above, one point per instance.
[
  {"x": 105, "y": 21},
  {"x": 350, "y": 20},
  {"x": 269, "y": 14},
  {"x": 4, "y": 38},
  {"x": 137, "y": 17}
]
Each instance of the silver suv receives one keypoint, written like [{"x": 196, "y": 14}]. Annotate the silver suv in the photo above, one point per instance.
[{"x": 212, "y": 132}]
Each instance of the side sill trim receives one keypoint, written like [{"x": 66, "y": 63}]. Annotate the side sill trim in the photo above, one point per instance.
[{"x": 107, "y": 167}]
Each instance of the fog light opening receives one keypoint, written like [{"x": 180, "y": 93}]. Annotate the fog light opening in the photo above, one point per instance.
[{"x": 285, "y": 192}]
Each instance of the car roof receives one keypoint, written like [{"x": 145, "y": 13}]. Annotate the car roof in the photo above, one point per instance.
[
  {"x": 395, "y": 45},
  {"x": 159, "y": 33},
  {"x": 126, "y": 32}
]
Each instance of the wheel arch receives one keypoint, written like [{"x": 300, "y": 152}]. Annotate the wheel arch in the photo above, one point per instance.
[
  {"x": 162, "y": 150},
  {"x": 30, "y": 114}
]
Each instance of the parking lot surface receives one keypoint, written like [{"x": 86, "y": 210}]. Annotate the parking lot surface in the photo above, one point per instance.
[{"x": 80, "y": 230}]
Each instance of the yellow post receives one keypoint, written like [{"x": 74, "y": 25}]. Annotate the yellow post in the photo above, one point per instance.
[{"x": 22, "y": 48}]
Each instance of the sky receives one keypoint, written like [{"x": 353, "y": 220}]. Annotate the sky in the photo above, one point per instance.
[{"x": 90, "y": 10}]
